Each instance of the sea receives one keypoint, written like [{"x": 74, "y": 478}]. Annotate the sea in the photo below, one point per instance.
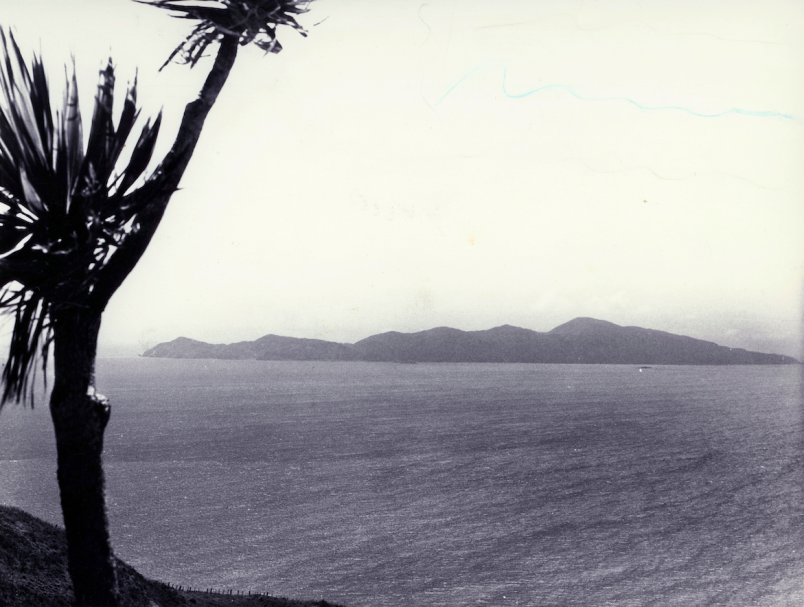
[{"x": 445, "y": 485}]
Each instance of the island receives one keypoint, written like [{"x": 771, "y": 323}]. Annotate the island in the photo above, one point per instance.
[{"x": 579, "y": 341}]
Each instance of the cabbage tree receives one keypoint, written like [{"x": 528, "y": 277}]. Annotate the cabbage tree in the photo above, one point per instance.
[{"x": 76, "y": 215}]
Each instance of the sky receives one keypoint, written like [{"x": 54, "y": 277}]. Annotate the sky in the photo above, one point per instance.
[{"x": 465, "y": 163}]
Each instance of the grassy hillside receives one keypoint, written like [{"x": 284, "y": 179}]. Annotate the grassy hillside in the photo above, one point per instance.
[{"x": 33, "y": 571}]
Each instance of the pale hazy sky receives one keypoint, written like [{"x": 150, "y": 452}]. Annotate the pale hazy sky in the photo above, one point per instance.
[{"x": 469, "y": 163}]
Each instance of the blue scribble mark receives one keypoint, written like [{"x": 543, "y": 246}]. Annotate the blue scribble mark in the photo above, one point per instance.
[
  {"x": 464, "y": 77},
  {"x": 753, "y": 113},
  {"x": 643, "y": 107}
]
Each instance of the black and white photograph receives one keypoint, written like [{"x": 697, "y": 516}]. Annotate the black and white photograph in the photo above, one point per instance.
[{"x": 383, "y": 303}]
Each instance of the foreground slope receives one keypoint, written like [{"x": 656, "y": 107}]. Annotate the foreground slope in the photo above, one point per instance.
[
  {"x": 33, "y": 571},
  {"x": 579, "y": 341}
]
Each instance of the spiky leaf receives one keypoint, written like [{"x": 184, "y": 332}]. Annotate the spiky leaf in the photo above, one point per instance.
[
  {"x": 62, "y": 205},
  {"x": 250, "y": 21}
]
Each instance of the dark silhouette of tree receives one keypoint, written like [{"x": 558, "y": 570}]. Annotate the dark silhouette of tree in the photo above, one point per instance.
[{"x": 73, "y": 226}]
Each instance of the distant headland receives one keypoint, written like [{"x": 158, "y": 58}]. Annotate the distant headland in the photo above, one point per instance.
[{"x": 579, "y": 341}]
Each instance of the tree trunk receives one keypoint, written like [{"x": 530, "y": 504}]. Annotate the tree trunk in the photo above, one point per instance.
[
  {"x": 79, "y": 419},
  {"x": 80, "y": 416},
  {"x": 156, "y": 192}
]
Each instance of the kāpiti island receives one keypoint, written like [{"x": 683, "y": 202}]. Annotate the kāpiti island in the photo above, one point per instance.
[{"x": 579, "y": 341}]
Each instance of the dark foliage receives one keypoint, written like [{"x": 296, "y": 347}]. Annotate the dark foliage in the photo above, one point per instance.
[
  {"x": 247, "y": 20},
  {"x": 65, "y": 206}
]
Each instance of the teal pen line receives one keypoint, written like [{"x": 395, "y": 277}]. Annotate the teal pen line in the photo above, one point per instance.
[
  {"x": 464, "y": 77},
  {"x": 752, "y": 113},
  {"x": 764, "y": 114}
]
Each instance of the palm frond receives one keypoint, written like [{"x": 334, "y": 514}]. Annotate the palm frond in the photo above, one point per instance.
[
  {"x": 31, "y": 336},
  {"x": 250, "y": 21},
  {"x": 62, "y": 205}
]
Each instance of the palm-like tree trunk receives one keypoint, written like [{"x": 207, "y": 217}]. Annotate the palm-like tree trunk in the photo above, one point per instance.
[
  {"x": 166, "y": 178},
  {"x": 79, "y": 416},
  {"x": 79, "y": 420}
]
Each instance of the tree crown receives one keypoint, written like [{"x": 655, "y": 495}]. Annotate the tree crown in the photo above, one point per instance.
[
  {"x": 63, "y": 204},
  {"x": 247, "y": 20}
]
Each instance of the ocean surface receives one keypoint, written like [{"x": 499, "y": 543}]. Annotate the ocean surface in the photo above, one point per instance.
[{"x": 380, "y": 484}]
